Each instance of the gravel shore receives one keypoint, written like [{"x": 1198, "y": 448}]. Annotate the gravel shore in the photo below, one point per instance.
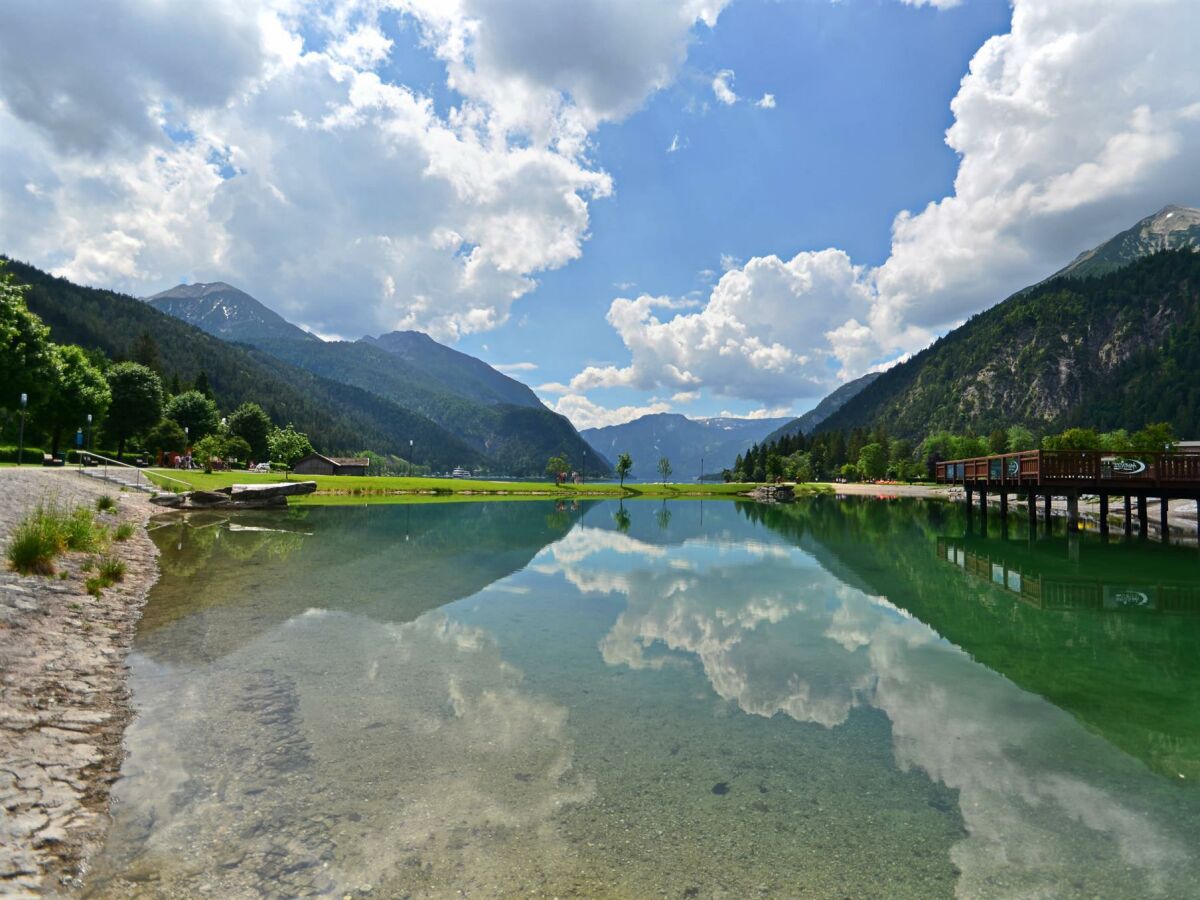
[{"x": 64, "y": 703}]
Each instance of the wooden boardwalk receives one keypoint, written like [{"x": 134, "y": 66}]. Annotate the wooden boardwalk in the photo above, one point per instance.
[{"x": 1135, "y": 477}]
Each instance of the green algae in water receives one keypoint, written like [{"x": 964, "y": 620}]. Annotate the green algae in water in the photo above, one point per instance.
[{"x": 733, "y": 700}]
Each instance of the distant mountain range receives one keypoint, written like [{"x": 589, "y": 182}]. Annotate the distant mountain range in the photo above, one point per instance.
[
  {"x": 1111, "y": 341},
  {"x": 498, "y": 416},
  {"x": 682, "y": 440}
]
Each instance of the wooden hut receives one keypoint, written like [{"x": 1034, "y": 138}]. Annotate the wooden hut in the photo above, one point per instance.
[{"x": 319, "y": 464}]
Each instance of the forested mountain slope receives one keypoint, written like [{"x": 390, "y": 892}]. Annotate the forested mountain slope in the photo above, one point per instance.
[
  {"x": 811, "y": 420},
  {"x": 338, "y": 418},
  {"x": 1115, "y": 351}
]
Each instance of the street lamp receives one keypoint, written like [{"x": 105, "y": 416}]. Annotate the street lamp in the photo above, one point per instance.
[
  {"x": 89, "y": 432},
  {"x": 21, "y": 439},
  {"x": 410, "y": 457}
]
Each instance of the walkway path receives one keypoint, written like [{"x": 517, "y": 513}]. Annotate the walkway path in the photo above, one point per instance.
[{"x": 63, "y": 700}]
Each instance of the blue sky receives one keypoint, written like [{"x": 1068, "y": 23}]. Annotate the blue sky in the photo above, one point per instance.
[
  {"x": 497, "y": 173},
  {"x": 863, "y": 94}
]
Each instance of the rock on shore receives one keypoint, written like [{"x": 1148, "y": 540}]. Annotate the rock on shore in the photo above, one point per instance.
[
  {"x": 64, "y": 703},
  {"x": 237, "y": 496}
]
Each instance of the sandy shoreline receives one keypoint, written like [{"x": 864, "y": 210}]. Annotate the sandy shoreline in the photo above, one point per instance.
[{"x": 64, "y": 700}]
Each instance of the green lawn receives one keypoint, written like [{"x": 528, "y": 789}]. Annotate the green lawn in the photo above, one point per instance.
[{"x": 356, "y": 485}]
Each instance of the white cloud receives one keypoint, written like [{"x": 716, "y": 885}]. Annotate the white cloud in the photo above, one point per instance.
[
  {"x": 585, "y": 413},
  {"x": 722, "y": 85},
  {"x": 510, "y": 368},
  {"x": 743, "y": 342},
  {"x": 937, "y": 4},
  {"x": 767, "y": 101},
  {"x": 675, "y": 146},
  {"x": 553, "y": 387},
  {"x": 212, "y": 143},
  {"x": 1080, "y": 121},
  {"x": 763, "y": 412}
]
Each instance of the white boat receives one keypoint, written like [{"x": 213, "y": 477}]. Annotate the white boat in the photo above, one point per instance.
[{"x": 460, "y": 472}]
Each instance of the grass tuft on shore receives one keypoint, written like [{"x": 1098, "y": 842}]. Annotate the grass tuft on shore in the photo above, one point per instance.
[
  {"x": 105, "y": 503},
  {"x": 50, "y": 530}
]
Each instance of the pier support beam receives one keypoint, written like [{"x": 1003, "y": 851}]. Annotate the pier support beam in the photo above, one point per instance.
[
  {"x": 1032, "y": 498},
  {"x": 1073, "y": 510},
  {"x": 970, "y": 507},
  {"x": 1164, "y": 525},
  {"x": 1128, "y": 516},
  {"x": 1003, "y": 504},
  {"x": 1104, "y": 516},
  {"x": 1046, "y": 503},
  {"x": 1143, "y": 519},
  {"x": 983, "y": 510}
]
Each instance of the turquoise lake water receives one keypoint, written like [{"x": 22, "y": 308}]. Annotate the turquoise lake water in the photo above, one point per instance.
[{"x": 835, "y": 698}]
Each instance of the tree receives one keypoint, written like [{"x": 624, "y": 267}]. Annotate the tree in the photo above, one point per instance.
[
  {"x": 621, "y": 517},
  {"x": 25, "y": 363},
  {"x": 1020, "y": 438},
  {"x": 1073, "y": 439},
  {"x": 1154, "y": 438},
  {"x": 166, "y": 436},
  {"x": 195, "y": 413},
  {"x": 664, "y": 468},
  {"x": 288, "y": 445},
  {"x": 624, "y": 465},
  {"x": 202, "y": 385},
  {"x": 873, "y": 461},
  {"x": 137, "y": 401},
  {"x": 998, "y": 441},
  {"x": 145, "y": 351},
  {"x": 76, "y": 389},
  {"x": 555, "y": 467},
  {"x": 774, "y": 467},
  {"x": 250, "y": 423}
]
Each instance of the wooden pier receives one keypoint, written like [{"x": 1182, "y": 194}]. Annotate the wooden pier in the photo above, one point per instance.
[{"x": 1135, "y": 478}]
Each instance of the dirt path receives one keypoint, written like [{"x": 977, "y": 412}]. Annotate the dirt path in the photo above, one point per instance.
[{"x": 63, "y": 697}]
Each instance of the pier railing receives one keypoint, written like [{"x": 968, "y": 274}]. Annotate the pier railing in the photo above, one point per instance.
[{"x": 1071, "y": 468}]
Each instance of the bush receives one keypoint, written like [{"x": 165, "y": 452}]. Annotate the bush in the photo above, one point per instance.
[
  {"x": 46, "y": 532},
  {"x": 34, "y": 544},
  {"x": 111, "y": 570},
  {"x": 104, "y": 503},
  {"x": 94, "y": 585},
  {"x": 124, "y": 531},
  {"x": 8, "y": 454}
]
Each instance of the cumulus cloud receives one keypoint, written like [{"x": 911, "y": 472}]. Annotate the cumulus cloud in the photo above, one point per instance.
[
  {"x": 722, "y": 85},
  {"x": 746, "y": 340},
  {"x": 1081, "y": 120},
  {"x": 586, "y": 413},
  {"x": 513, "y": 368},
  {"x": 215, "y": 146},
  {"x": 767, "y": 101}
]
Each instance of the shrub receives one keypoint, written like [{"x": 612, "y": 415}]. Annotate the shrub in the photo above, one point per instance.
[
  {"x": 79, "y": 530},
  {"x": 34, "y": 544},
  {"x": 104, "y": 503},
  {"x": 112, "y": 570},
  {"x": 124, "y": 531},
  {"x": 94, "y": 585}
]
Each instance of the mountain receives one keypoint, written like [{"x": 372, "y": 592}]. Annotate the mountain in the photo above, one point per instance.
[
  {"x": 455, "y": 371},
  {"x": 498, "y": 416},
  {"x": 224, "y": 311},
  {"x": 808, "y": 422},
  {"x": 681, "y": 440},
  {"x": 338, "y": 418},
  {"x": 1171, "y": 228},
  {"x": 1117, "y": 350}
]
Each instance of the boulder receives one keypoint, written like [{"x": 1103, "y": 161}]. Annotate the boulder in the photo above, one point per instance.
[
  {"x": 773, "y": 493},
  {"x": 264, "y": 491},
  {"x": 206, "y": 498},
  {"x": 174, "y": 501}
]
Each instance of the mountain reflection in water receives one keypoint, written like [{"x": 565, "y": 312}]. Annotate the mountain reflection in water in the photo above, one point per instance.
[{"x": 835, "y": 698}]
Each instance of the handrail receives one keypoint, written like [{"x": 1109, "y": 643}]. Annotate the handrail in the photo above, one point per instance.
[{"x": 116, "y": 462}]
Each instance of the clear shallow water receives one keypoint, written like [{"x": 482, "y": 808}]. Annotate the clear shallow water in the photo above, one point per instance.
[{"x": 829, "y": 699}]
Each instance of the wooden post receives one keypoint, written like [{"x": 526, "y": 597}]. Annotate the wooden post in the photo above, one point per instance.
[
  {"x": 1046, "y": 504},
  {"x": 1128, "y": 515},
  {"x": 1032, "y": 513},
  {"x": 1143, "y": 519},
  {"x": 1004, "y": 503},
  {"x": 970, "y": 507},
  {"x": 1164, "y": 524},
  {"x": 1073, "y": 510},
  {"x": 1104, "y": 515},
  {"x": 983, "y": 510}
]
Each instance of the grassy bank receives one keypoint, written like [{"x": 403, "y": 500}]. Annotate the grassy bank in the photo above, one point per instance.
[{"x": 353, "y": 485}]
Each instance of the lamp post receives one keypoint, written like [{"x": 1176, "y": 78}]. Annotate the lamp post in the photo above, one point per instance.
[
  {"x": 583, "y": 473},
  {"x": 21, "y": 439},
  {"x": 410, "y": 457},
  {"x": 89, "y": 432},
  {"x": 702, "y": 470}
]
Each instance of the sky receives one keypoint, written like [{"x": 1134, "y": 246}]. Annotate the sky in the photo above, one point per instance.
[{"x": 701, "y": 206}]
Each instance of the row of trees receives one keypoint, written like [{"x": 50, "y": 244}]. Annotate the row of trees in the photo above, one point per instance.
[
  {"x": 68, "y": 388},
  {"x": 557, "y": 467},
  {"x": 872, "y": 455}
]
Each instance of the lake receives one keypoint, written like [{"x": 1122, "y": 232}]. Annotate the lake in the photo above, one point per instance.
[{"x": 834, "y": 698}]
